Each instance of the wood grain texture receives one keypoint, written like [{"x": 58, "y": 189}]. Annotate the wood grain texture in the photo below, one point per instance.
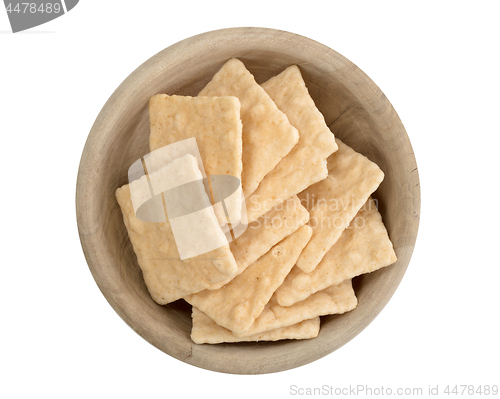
[{"x": 356, "y": 111}]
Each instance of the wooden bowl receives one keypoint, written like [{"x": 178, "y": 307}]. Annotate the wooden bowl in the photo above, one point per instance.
[{"x": 356, "y": 111}]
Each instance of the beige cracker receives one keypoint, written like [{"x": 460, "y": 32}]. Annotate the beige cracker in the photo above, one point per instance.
[
  {"x": 207, "y": 331},
  {"x": 306, "y": 162},
  {"x": 267, "y": 231},
  {"x": 236, "y": 305},
  {"x": 267, "y": 134},
  {"x": 167, "y": 277},
  {"x": 216, "y": 125},
  {"x": 336, "y": 299},
  {"x": 334, "y": 202},
  {"x": 362, "y": 248}
]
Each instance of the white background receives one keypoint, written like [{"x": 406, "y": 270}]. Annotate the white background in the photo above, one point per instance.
[{"x": 437, "y": 62}]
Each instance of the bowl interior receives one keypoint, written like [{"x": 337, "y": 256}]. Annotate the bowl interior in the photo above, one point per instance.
[{"x": 356, "y": 111}]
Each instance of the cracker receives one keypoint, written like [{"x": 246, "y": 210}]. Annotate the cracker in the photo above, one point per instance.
[
  {"x": 362, "y": 248},
  {"x": 236, "y": 305},
  {"x": 267, "y": 134},
  {"x": 261, "y": 235},
  {"x": 167, "y": 277},
  {"x": 207, "y": 331},
  {"x": 216, "y": 125},
  {"x": 336, "y": 299},
  {"x": 306, "y": 162},
  {"x": 334, "y": 201}
]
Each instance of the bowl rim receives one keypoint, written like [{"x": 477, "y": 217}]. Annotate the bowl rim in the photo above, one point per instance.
[{"x": 199, "y": 357}]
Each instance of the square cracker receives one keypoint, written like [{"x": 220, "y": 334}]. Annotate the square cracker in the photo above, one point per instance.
[
  {"x": 236, "y": 305},
  {"x": 334, "y": 202},
  {"x": 267, "y": 134},
  {"x": 261, "y": 235},
  {"x": 306, "y": 162},
  {"x": 336, "y": 299},
  {"x": 362, "y": 248},
  {"x": 216, "y": 125},
  {"x": 207, "y": 331},
  {"x": 167, "y": 277}
]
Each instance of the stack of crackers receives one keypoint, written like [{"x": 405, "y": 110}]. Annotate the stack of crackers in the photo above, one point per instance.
[{"x": 312, "y": 225}]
